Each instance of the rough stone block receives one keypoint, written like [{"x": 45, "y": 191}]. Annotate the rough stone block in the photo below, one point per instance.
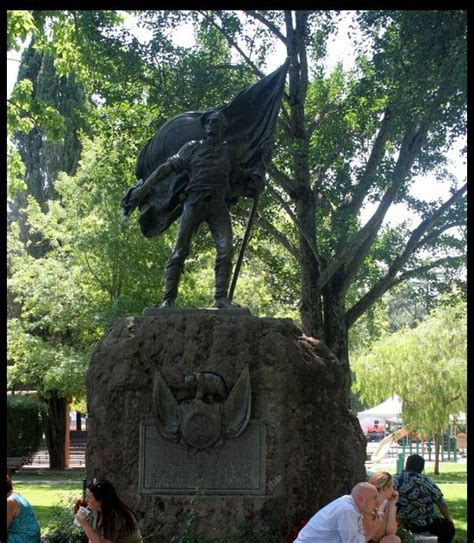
[{"x": 313, "y": 447}]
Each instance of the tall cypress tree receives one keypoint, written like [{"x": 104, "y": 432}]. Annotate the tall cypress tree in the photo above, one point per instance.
[{"x": 44, "y": 158}]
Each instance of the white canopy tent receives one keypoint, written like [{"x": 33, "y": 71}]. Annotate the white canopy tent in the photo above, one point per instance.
[{"x": 389, "y": 410}]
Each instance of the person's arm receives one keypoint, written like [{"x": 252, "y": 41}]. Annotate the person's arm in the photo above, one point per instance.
[
  {"x": 443, "y": 508},
  {"x": 367, "y": 524},
  {"x": 391, "y": 514},
  {"x": 12, "y": 510},
  {"x": 92, "y": 535},
  {"x": 374, "y": 527}
]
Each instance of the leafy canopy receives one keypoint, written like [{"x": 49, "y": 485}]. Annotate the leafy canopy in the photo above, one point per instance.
[{"x": 425, "y": 366}]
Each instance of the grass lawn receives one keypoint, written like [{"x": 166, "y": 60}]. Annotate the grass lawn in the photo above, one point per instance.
[
  {"x": 455, "y": 495},
  {"x": 47, "y": 490}
]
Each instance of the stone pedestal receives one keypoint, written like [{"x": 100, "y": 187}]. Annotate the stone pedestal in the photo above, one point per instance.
[{"x": 300, "y": 449}]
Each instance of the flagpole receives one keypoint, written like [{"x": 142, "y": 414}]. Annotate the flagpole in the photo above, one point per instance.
[{"x": 238, "y": 264}]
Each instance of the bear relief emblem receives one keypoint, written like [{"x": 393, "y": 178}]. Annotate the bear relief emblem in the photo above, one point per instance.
[{"x": 209, "y": 417}]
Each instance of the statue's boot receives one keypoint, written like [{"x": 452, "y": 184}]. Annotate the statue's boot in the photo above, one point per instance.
[
  {"x": 172, "y": 274},
  {"x": 221, "y": 300},
  {"x": 224, "y": 303}
]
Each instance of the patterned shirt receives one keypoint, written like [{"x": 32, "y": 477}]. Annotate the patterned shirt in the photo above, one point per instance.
[{"x": 418, "y": 495}]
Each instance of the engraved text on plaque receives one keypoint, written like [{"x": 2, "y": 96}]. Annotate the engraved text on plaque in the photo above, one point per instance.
[{"x": 236, "y": 467}]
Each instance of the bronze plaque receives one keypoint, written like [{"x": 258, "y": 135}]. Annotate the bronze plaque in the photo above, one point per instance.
[{"x": 235, "y": 468}]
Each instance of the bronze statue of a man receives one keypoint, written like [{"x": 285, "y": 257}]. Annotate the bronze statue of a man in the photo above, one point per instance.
[
  {"x": 208, "y": 165},
  {"x": 196, "y": 166}
]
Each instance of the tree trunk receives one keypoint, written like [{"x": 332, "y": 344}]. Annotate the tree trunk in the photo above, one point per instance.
[
  {"x": 310, "y": 306},
  {"x": 56, "y": 431},
  {"x": 336, "y": 331}
]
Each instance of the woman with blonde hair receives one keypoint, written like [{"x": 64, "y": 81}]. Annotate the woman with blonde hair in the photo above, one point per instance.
[{"x": 386, "y": 509}]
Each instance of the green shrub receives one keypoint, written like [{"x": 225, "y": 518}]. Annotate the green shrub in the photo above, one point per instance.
[
  {"x": 62, "y": 529},
  {"x": 245, "y": 533},
  {"x": 25, "y": 418}
]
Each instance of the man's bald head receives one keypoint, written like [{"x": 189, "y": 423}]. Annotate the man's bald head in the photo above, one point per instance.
[{"x": 365, "y": 496}]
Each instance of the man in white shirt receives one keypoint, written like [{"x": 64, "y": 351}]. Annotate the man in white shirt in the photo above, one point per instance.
[{"x": 341, "y": 520}]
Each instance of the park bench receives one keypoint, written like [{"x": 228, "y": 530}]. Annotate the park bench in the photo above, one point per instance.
[{"x": 14, "y": 463}]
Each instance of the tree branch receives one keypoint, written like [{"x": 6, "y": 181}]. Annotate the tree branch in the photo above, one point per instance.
[
  {"x": 232, "y": 43},
  {"x": 319, "y": 117},
  {"x": 301, "y": 18},
  {"x": 412, "y": 243},
  {"x": 279, "y": 236},
  {"x": 296, "y": 222},
  {"x": 96, "y": 277},
  {"x": 325, "y": 167},
  {"x": 411, "y": 146},
  {"x": 389, "y": 281},
  {"x": 287, "y": 184},
  {"x": 417, "y": 272},
  {"x": 376, "y": 156},
  {"x": 286, "y": 121},
  {"x": 267, "y": 23},
  {"x": 293, "y": 68},
  {"x": 436, "y": 233},
  {"x": 426, "y": 226},
  {"x": 356, "y": 249}
]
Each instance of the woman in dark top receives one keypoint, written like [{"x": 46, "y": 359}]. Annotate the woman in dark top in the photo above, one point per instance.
[{"x": 112, "y": 521}]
